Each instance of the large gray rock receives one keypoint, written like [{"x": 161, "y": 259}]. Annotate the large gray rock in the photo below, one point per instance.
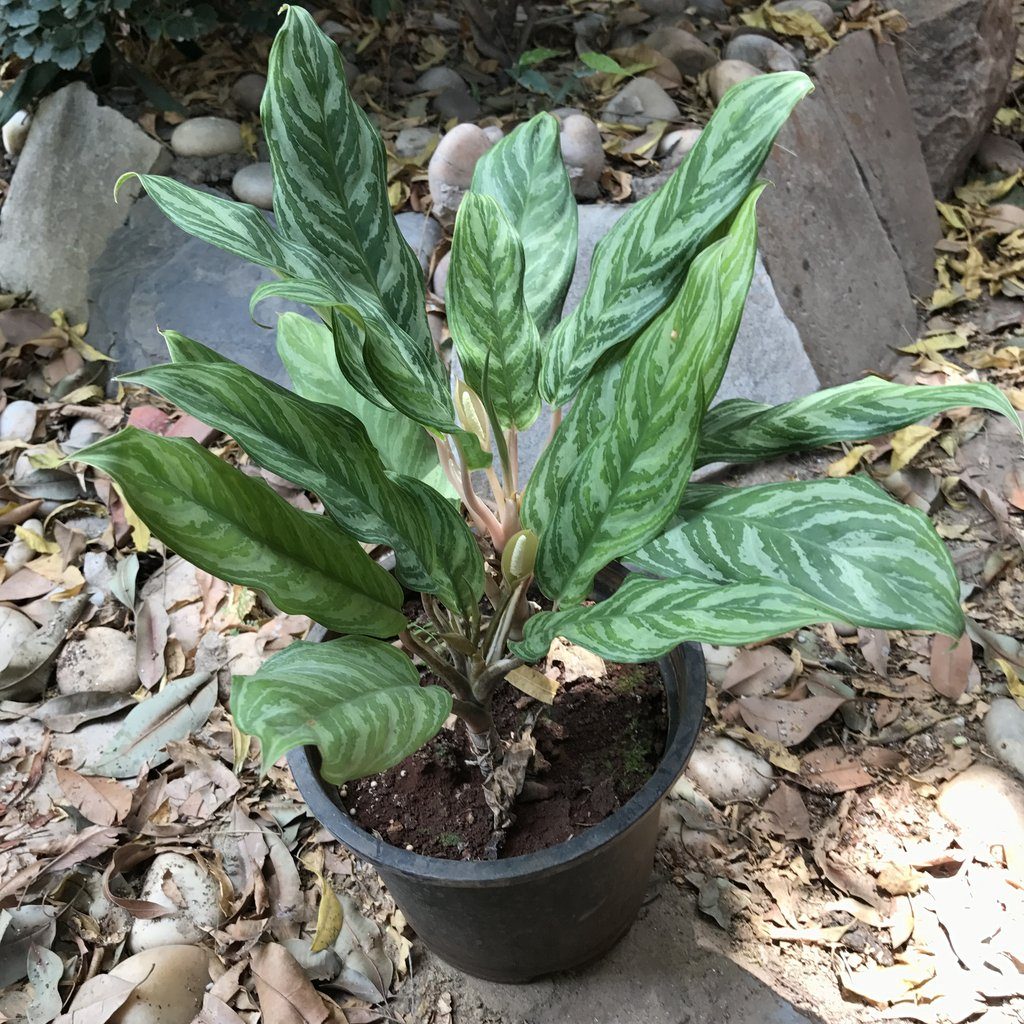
[
  {"x": 957, "y": 56},
  {"x": 153, "y": 275},
  {"x": 864, "y": 86},
  {"x": 836, "y": 273},
  {"x": 60, "y": 212}
]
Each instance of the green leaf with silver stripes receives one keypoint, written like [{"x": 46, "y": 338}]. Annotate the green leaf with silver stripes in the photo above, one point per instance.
[
  {"x": 743, "y": 431},
  {"x": 237, "y": 228},
  {"x": 358, "y": 700},
  {"x": 639, "y": 265},
  {"x": 844, "y": 543},
  {"x": 487, "y": 316},
  {"x": 330, "y": 172},
  {"x": 628, "y": 481},
  {"x": 646, "y": 618},
  {"x": 307, "y": 350},
  {"x": 320, "y": 448},
  {"x": 236, "y": 528},
  {"x": 525, "y": 173}
]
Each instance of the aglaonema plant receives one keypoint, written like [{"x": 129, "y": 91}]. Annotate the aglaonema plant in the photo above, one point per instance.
[{"x": 391, "y": 446}]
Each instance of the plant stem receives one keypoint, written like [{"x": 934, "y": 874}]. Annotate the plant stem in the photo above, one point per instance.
[
  {"x": 458, "y": 682},
  {"x": 487, "y": 681},
  {"x": 483, "y": 734}
]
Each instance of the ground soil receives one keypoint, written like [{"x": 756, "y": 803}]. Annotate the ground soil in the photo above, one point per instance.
[{"x": 596, "y": 746}]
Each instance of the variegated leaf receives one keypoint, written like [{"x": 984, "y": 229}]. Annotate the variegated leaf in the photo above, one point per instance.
[
  {"x": 843, "y": 543},
  {"x": 330, "y": 172},
  {"x": 639, "y": 265},
  {"x": 237, "y": 228},
  {"x": 588, "y": 415},
  {"x": 320, "y": 448},
  {"x": 358, "y": 700},
  {"x": 743, "y": 431},
  {"x": 381, "y": 361},
  {"x": 238, "y": 529},
  {"x": 307, "y": 350},
  {"x": 646, "y": 618},
  {"x": 628, "y": 481},
  {"x": 488, "y": 318},
  {"x": 525, "y": 173},
  {"x": 459, "y": 563}
]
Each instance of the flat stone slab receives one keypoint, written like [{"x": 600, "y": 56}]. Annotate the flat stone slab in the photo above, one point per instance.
[
  {"x": 834, "y": 269},
  {"x": 152, "y": 275},
  {"x": 864, "y": 85},
  {"x": 658, "y": 974},
  {"x": 60, "y": 212}
]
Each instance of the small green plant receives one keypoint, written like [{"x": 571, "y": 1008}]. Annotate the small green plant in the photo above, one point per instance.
[
  {"x": 52, "y": 36},
  {"x": 375, "y": 432}
]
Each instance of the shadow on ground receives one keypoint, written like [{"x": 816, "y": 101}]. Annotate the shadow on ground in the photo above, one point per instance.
[{"x": 660, "y": 973}]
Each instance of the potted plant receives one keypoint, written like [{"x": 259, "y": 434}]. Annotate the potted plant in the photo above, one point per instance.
[{"x": 505, "y": 567}]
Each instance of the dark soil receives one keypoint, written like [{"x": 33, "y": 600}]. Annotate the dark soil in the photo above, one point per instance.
[{"x": 596, "y": 746}]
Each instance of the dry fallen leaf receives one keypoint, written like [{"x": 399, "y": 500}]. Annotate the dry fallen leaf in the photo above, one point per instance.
[
  {"x": 788, "y": 813},
  {"x": 102, "y": 801},
  {"x": 758, "y": 672},
  {"x": 285, "y": 993},
  {"x": 788, "y": 722},
  {"x": 951, "y": 663}
]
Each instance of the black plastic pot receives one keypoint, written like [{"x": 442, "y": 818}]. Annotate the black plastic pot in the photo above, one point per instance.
[{"x": 516, "y": 919}]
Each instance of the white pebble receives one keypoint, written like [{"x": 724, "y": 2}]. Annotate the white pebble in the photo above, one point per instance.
[
  {"x": 15, "y": 132},
  {"x": 255, "y": 184},
  {"x": 199, "y": 913},
  {"x": 18, "y": 421},
  {"x": 206, "y": 136}
]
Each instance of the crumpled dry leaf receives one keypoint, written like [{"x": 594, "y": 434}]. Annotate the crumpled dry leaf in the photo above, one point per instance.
[
  {"x": 503, "y": 785},
  {"x": 285, "y": 993},
  {"x": 951, "y": 663},
  {"x": 101, "y": 801},
  {"x": 881, "y": 986},
  {"x": 758, "y": 672},
  {"x": 177, "y": 710},
  {"x": 788, "y": 722},
  {"x": 788, "y": 813},
  {"x": 906, "y": 443},
  {"x": 368, "y": 970}
]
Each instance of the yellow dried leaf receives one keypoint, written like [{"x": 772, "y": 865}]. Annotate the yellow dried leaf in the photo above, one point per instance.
[
  {"x": 850, "y": 461},
  {"x": 1013, "y": 681},
  {"x": 936, "y": 343},
  {"x": 329, "y": 916},
  {"x": 533, "y": 683},
  {"x": 49, "y": 457},
  {"x": 906, "y": 443},
  {"x": 141, "y": 535},
  {"x": 1016, "y": 397},
  {"x": 981, "y": 193},
  {"x": 776, "y": 753},
  {"x": 72, "y": 581},
  {"x": 800, "y": 24},
  {"x": 954, "y": 216},
  {"x": 1006, "y": 358},
  {"x": 250, "y": 140},
  {"x": 36, "y": 541}
]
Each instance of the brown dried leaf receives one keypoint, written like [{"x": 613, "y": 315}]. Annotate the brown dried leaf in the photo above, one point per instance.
[
  {"x": 285, "y": 993},
  {"x": 758, "y": 672},
  {"x": 788, "y": 722},
  {"x": 98, "y": 999},
  {"x": 788, "y": 812},
  {"x": 832, "y": 770},
  {"x": 874, "y": 645},
  {"x": 102, "y": 801},
  {"x": 951, "y": 664},
  {"x": 881, "y": 986}
]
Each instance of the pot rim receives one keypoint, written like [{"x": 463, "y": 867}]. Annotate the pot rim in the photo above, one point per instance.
[{"x": 685, "y": 664}]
